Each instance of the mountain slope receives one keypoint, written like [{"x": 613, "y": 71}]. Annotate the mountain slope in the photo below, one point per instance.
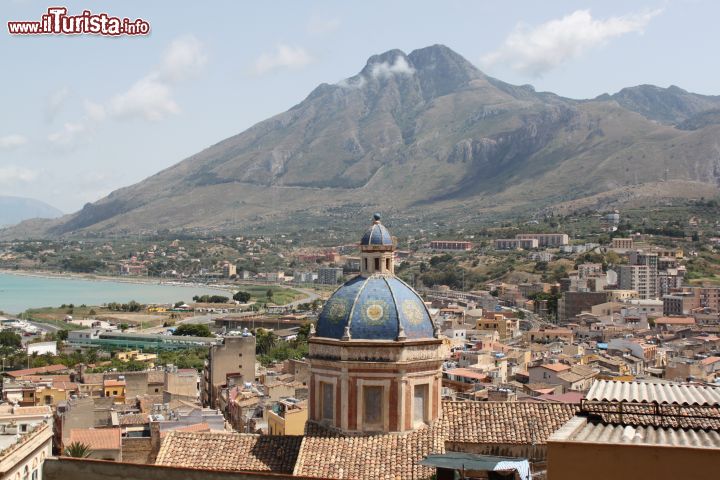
[
  {"x": 670, "y": 105},
  {"x": 16, "y": 209},
  {"x": 417, "y": 136}
]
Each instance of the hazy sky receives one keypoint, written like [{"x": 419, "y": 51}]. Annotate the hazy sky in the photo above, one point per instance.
[{"x": 84, "y": 115}]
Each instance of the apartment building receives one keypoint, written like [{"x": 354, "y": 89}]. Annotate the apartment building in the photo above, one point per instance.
[
  {"x": 450, "y": 245},
  {"x": 546, "y": 239},
  {"x": 516, "y": 243}
]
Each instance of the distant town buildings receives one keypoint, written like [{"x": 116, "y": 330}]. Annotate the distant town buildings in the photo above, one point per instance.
[{"x": 450, "y": 245}]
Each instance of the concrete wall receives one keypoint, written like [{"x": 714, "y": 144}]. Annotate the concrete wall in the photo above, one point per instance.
[
  {"x": 70, "y": 468},
  {"x": 568, "y": 461}
]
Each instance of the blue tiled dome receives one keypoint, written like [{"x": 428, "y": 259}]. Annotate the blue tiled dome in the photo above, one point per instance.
[
  {"x": 374, "y": 308},
  {"x": 377, "y": 234}
]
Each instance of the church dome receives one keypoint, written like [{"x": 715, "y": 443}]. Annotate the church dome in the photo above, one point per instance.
[
  {"x": 377, "y": 234},
  {"x": 378, "y": 307}
]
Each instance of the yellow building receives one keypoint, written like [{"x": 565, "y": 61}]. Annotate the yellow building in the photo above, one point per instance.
[
  {"x": 506, "y": 327},
  {"x": 288, "y": 417},
  {"x": 137, "y": 356},
  {"x": 115, "y": 388}
]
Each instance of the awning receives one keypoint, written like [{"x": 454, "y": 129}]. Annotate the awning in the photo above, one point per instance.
[{"x": 474, "y": 462}]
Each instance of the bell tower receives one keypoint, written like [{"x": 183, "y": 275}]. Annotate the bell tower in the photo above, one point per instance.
[{"x": 377, "y": 250}]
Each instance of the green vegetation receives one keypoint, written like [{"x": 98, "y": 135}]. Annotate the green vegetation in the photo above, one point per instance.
[
  {"x": 193, "y": 330},
  {"x": 77, "y": 450},
  {"x": 10, "y": 339},
  {"x": 210, "y": 299},
  {"x": 242, "y": 297},
  {"x": 271, "y": 350},
  {"x": 131, "y": 306}
]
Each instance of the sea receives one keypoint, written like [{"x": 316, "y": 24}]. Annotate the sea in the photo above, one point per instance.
[{"x": 19, "y": 292}]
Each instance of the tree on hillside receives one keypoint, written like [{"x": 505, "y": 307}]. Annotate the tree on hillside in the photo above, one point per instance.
[
  {"x": 269, "y": 294},
  {"x": 242, "y": 297},
  {"x": 193, "y": 330}
]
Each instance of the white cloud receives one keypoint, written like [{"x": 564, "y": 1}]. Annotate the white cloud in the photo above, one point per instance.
[
  {"x": 94, "y": 111},
  {"x": 13, "y": 174},
  {"x": 284, "y": 56},
  {"x": 353, "y": 82},
  {"x": 184, "y": 58},
  {"x": 148, "y": 98},
  {"x": 535, "y": 51},
  {"x": 398, "y": 67},
  {"x": 8, "y": 142},
  {"x": 55, "y": 102},
  {"x": 322, "y": 25},
  {"x": 68, "y": 137}
]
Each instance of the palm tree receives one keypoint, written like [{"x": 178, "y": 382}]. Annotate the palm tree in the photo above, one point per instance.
[{"x": 77, "y": 450}]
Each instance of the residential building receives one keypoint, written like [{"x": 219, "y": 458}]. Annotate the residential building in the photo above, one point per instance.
[
  {"x": 25, "y": 441},
  {"x": 546, "y": 239},
  {"x": 450, "y": 245},
  {"x": 329, "y": 276},
  {"x": 516, "y": 244},
  {"x": 546, "y": 335},
  {"x": 287, "y": 417},
  {"x": 234, "y": 357},
  {"x": 641, "y": 278},
  {"x": 622, "y": 243},
  {"x": 229, "y": 269},
  {"x": 573, "y": 303}
]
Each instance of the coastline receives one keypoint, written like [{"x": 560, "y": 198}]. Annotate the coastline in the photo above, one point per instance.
[{"x": 108, "y": 278}]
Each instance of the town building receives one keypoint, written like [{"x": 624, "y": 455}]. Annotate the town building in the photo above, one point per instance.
[
  {"x": 329, "y": 275},
  {"x": 546, "y": 239},
  {"x": 622, "y": 243},
  {"x": 450, "y": 245},
  {"x": 287, "y": 417},
  {"x": 516, "y": 244},
  {"x": 234, "y": 357},
  {"x": 25, "y": 441}
]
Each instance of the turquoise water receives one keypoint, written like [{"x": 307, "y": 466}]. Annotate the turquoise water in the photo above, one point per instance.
[{"x": 20, "y": 292}]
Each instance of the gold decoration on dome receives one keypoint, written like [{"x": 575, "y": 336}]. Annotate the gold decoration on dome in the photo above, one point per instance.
[
  {"x": 413, "y": 313},
  {"x": 337, "y": 311}
]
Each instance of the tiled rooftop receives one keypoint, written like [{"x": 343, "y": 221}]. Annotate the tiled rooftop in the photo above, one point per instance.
[
  {"x": 503, "y": 422},
  {"x": 97, "y": 438},
  {"x": 229, "y": 451},
  {"x": 327, "y": 454}
]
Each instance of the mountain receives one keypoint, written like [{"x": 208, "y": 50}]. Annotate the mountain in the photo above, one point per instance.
[
  {"x": 16, "y": 209},
  {"x": 423, "y": 137},
  {"x": 670, "y": 105}
]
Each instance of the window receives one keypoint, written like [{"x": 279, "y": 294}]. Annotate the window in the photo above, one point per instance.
[
  {"x": 114, "y": 392},
  {"x": 377, "y": 264},
  {"x": 327, "y": 401},
  {"x": 372, "y": 407},
  {"x": 387, "y": 264},
  {"x": 23, "y": 427},
  {"x": 365, "y": 264},
  {"x": 420, "y": 404}
]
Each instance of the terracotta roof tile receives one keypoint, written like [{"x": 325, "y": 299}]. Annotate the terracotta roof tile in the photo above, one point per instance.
[
  {"x": 97, "y": 438},
  {"x": 37, "y": 371},
  {"x": 503, "y": 422},
  {"x": 229, "y": 451},
  {"x": 134, "y": 419},
  {"x": 195, "y": 427}
]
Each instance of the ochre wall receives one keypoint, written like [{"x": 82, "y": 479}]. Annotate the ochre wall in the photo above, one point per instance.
[{"x": 570, "y": 461}]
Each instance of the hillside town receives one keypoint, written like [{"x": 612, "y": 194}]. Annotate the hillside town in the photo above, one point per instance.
[{"x": 515, "y": 372}]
